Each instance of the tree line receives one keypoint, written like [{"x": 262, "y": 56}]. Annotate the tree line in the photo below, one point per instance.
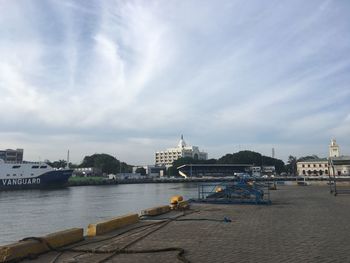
[
  {"x": 106, "y": 163},
  {"x": 109, "y": 164}
]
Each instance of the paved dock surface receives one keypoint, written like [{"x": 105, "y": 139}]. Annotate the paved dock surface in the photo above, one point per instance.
[{"x": 303, "y": 224}]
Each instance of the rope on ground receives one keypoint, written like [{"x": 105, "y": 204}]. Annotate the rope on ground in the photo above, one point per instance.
[
  {"x": 89, "y": 242},
  {"x": 137, "y": 240},
  {"x": 180, "y": 251},
  {"x": 123, "y": 250},
  {"x": 40, "y": 240},
  {"x": 225, "y": 220}
]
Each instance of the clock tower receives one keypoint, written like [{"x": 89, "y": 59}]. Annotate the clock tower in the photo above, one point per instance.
[{"x": 334, "y": 149}]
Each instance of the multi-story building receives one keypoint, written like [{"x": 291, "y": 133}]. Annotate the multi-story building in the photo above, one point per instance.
[
  {"x": 10, "y": 155},
  {"x": 335, "y": 164},
  {"x": 313, "y": 166},
  {"x": 168, "y": 156}
]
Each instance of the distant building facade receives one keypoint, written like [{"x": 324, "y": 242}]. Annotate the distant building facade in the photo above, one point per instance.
[
  {"x": 155, "y": 171},
  {"x": 152, "y": 170},
  {"x": 313, "y": 167},
  {"x": 10, "y": 155},
  {"x": 87, "y": 171},
  {"x": 258, "y": 171},
  {"x": 213, "y": 170},
  {"x": 167, "y": 157},
  {"x": 340, "y": 166},
  {"x": 335, "y": 164}
]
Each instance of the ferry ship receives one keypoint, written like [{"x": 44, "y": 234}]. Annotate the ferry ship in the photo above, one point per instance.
[{"x": 29, "y": 175}]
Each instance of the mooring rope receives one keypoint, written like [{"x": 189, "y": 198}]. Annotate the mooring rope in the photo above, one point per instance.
[{"x": 124, "y": 250}]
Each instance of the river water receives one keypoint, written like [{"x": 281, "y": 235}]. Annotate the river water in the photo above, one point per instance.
[{"x": 39, "y": 212}]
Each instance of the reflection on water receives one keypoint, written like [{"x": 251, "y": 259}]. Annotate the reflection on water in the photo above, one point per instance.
[{"x": 39, "y": 212}]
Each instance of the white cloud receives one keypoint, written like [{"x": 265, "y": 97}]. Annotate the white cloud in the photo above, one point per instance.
[{"x": 114, "y": 76}]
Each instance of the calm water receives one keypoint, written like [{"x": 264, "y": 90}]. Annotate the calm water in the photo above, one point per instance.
[{"x": 39, "y": 212}]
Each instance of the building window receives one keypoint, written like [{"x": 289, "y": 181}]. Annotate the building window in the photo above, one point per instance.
[
  {"x": 320, "y": 165},
  {"x": 304, "y": 172},
  {"x": 303, "y": 165},
  {"x": 326, "y": 171},
  {"x": 308, "y": 165}
]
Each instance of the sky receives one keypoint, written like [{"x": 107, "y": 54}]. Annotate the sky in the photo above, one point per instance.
[{"x": 127, "y": 78}]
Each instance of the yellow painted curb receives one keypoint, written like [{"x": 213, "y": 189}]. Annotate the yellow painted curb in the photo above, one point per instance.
[
  {"x": 154, "y": 211},
  {"x": 111, "y": 224},
  {"x": 22, "y": 249}
]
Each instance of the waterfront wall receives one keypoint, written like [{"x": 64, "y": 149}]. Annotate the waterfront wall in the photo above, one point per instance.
[
  {"x": 31, "y": 247},
  {"x": 104, "y": 181}
]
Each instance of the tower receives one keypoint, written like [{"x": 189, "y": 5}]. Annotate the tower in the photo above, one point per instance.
[
  {"x": 182, "y": 142},
  {"x": 334, "y": 149}
]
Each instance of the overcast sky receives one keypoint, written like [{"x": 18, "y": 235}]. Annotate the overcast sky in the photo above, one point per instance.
[{"x": 129, "y": 77}]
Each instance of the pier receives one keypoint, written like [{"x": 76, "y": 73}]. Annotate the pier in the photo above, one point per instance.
[{"x": 303, "y": 224}]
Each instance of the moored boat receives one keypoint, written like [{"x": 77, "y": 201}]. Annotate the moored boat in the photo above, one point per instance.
[{"x": 29, "y": 175}]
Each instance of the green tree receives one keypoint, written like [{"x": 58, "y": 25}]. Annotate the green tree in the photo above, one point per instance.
[
  {"x": 105, "y": 162},
  {"x": 57, "y": 164},
  {"x": 254, "y": 158},
  {"x": 291, "y": 167}
]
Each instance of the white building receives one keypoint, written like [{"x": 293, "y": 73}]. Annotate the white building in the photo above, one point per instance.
[
  {"x": 313, "y": 167},
  {"x": 339, "y": 164},
  {"x": 152, "y": 170},
  {"x": 168, "y": 156},
  {"x": 334, "y": 150},
  {"x": 10, "y": 155},
  {"x": 335, "y": 164}
]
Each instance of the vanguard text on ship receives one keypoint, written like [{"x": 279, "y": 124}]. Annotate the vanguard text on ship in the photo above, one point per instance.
[{"x": 29, "y": 175}]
